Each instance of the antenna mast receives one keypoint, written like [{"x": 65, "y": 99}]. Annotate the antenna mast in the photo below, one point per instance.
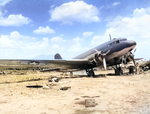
[{"x": 110, "y": 36}]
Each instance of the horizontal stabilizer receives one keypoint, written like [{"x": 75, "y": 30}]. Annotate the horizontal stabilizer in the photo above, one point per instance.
[
  {"x": 57, "y": 56},
  {"x": 136, "y": 59}
]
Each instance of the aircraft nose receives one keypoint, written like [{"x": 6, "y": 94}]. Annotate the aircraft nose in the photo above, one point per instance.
[{"x": 132, "y": 43}]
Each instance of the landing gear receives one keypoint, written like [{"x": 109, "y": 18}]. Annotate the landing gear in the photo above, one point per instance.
[
  {"x": 134, "y": 70},
  {"x": 131, "y": 70},
  {"x": 118, "y": 70},
  {"x": 71, "y": 73},
  {"x": 90, "y": 72}
]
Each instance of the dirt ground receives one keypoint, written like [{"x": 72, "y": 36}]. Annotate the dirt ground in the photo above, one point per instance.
[{"x": 112, "y": 94}]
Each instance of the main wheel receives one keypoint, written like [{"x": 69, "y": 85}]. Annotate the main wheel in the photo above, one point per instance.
[{"x": 90, "y": 72}]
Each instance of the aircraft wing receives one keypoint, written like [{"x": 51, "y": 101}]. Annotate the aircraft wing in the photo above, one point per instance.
[{"x": 53, "y": 64}]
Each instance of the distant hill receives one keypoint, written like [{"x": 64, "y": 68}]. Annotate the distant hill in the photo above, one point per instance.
[{"x": 44, "y": 57}]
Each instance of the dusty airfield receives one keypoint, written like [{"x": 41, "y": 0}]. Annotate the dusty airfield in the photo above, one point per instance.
[{"x": 112, "y": 94}]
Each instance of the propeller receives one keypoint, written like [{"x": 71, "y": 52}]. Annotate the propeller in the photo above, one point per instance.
[
  {"x": 130, "y": 56},
  {"x": 100, "y": 58},
  {"x": 104, "y": 63}
]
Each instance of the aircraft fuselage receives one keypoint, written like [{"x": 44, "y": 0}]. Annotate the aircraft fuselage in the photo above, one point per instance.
[{"x": 117, "y": 48}]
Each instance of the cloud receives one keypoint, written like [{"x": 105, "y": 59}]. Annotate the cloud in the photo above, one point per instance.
[
  {"x": 16, "y": 35},
  {"x": 55, "y": 46},
  {"x": 13, "y": 40},
  {"x": 14, "y": 20},
  {"x": 16, "y": 45},
  {"x": 11, "y": 20},
  {"x": 5, "y": 42},
  {"x": 58, "y": 39},
  {"x": 96, "y": 40},
  {"x": 42, "y": 30},
  {"x": 87, "y": 34},
  {"x": 78, "y": 11},
  {"x": 4, "y": 2},
  {"x": 112, "y": 5},
  {"x": 76, "y": 46},
  {"x": 135, "y": 27},
  {"x": 116, "y": 3},
  {"x": 38, "y": 45}
]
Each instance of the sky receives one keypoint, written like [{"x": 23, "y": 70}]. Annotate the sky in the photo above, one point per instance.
[{"x": 29, "y": 28}]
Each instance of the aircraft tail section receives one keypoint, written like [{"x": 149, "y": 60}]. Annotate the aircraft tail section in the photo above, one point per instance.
[{"x": 57, "y": 56}]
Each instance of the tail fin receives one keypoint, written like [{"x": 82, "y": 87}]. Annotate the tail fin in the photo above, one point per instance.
[{"x": 57, "y": 56}]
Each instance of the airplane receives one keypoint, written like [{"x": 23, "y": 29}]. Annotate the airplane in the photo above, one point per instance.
[
  {"x": 110, "y": 53},
  {"x": 142, "y": 65}
]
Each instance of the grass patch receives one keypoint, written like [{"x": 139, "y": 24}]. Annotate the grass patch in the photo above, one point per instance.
[{"x": 20, "y": 78}]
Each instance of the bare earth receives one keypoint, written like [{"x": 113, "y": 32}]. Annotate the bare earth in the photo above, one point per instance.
[{"x": 112, "y": 94}]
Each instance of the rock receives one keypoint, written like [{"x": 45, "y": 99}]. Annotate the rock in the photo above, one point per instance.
[
  {"x": 53, "y": 80},
  {"x": 49, "y": 80},
  {"x": 90, "y": 103},
  {"x": 2, "y": 73},
  {"x": 46, "y": 87}
]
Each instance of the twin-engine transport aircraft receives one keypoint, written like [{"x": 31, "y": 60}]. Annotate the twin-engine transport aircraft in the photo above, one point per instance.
[{"x": 113, "y": 52}]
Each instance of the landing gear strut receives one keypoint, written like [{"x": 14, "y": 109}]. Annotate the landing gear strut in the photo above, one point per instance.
[
  {"x": 118, "y": 70},
  {"x": 90, "y": 72}
]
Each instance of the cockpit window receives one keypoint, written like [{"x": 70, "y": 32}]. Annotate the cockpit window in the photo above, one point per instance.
[
  {"x": 123, "y": 39},
  {"x": 113, "y": 43},
  {"x": 117, "y": 42}
]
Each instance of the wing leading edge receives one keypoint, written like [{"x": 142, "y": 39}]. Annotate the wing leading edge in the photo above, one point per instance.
[{"x": 57, "y": 64}]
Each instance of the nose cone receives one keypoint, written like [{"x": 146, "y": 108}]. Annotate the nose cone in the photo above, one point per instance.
[{"x": 132, "y": 43}]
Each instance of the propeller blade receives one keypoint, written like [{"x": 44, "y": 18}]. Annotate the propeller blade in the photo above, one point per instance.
[
  {"x": 134, "y": 62},
  {"x": 104, "y": 63},
  {"x": 134, "y": 50},
  {"x": 100, "y": 58},
  {"x": 131, "y": 58},
  {"x": 104, "y": 54}
]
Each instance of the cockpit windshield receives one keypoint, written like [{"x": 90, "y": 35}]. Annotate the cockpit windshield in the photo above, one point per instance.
[
  {"x": 113, "y": 43},
  {"x": 124, "y": 39},
  {"x": 116, "y": 42}
]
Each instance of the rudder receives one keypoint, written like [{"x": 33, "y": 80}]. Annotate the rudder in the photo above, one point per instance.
[{"x": 57, "y": 56}]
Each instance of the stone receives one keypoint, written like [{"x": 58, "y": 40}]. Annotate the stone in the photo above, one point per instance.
[
  {"x": 46, "y": 87},
  {"x": 90, "y": 103}
]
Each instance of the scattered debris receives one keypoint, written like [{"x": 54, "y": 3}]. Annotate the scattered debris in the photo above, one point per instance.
[
  {"x": 34, "y": 86},
  {"x": 77, "y": 99},
  {"x": 86, "y": 96},
  {"x": 2, "y": 73},
  {"x": 89, "y": 96},
  {"x": 21, "y": 73},
  {"x": 53, "y": 79},
  {"x": 95, "y": 96},
  {"x": 87, "y": 102},
  {"x": 64, "y": 88},
  {"x": 81, "y": 103},
  {"x": 90, "y": 103}
]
